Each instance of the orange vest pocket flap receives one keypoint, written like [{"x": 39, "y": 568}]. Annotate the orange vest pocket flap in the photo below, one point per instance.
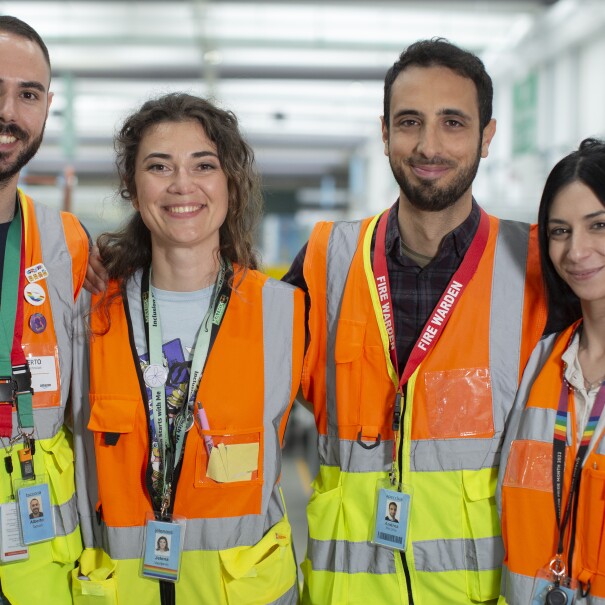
[
  {"x": 349, "y": 343},
  {"x": 112, "y": 414}
]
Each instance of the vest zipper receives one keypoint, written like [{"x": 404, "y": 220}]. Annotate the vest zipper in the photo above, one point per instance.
[{"x": 406, "y": 569}]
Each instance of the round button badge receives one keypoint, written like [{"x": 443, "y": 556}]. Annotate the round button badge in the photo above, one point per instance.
[
  {"x": 34, "y": 294},
  {"x": 155, "y": 375},
  {"x": 37, "y": 323}
]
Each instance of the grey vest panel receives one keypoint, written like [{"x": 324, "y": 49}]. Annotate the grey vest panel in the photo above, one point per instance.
[{"x": 58, "y": 262}]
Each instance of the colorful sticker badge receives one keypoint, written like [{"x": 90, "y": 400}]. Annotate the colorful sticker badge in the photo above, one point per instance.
[
  {"x": 34, "y": 294},
  {"x": 36, "y": 273}
]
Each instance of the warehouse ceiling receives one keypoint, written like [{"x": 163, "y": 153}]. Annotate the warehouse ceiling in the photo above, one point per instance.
[{"x": 304, "y": 78}]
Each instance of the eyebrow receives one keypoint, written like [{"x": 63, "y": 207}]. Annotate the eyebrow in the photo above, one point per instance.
[
  {"x": 446, "y": 111},
  {"x": 33, "y": 84},
  {"x": 167, "y": 156},
  {"x": 586, "y": 217}
]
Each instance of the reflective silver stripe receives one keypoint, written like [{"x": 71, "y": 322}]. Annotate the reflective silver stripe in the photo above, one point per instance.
[
  {"x": 537, "y": 424},
  {"x": 200, "y": 534},
  {"x": 278, "y": 322},
  {"x": 601, "y": 447},
  {"x": 352, "y": 458},
  {"x": 516, "y": 588},
  {"x": 58, "y": 261},
  {"x": 350, "y": 557},
  {"x": 289, "y": 598},
  {"x": 508, "y": 292},
  {"x": 341, "y": 249},
  {"x": 66, "y": 517},
  {"x": 481, "y": 554},
  {"x": 454, "y": 454}
]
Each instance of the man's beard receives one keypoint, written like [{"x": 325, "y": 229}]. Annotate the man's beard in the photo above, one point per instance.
[
  {"x": 8, "y": 172},
  {"x": 428, "y": 195}
]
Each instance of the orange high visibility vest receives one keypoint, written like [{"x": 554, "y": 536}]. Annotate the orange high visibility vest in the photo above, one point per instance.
[
  {"x": 237, "y": 540},
  {"x": 457, "y": 404},
  {"x": 57, "y": 240},
  {"x": 529, "y": 526}
]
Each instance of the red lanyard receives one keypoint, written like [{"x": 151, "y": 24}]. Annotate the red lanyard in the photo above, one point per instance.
[{"x": 443, "y": 310}]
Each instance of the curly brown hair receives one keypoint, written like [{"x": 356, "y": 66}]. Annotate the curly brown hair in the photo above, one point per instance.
[{"x": 129, "y": 249}]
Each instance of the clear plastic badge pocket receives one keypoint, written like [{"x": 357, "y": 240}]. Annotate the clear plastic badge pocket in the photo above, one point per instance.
[
  {"x": 391, "y": 515},
  {"x": 162, "y": 547},
  {"x": 550, "y": 589},
  {"x": 35, "y": 510},
  {"x": 229, "y": 457},
  {"x": 44, "y": 372}
]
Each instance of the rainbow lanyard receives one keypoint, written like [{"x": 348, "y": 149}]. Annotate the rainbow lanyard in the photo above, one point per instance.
[{"x": 559, "y": 445}]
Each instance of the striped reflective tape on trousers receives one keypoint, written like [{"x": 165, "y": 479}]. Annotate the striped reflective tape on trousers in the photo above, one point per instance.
[
  {"x": 343, "y": 556},
  {"x": 425, "y": 455},
  {"x": 200, "y": 534}
]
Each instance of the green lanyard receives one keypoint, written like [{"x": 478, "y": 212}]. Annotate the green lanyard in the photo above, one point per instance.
[
  {"x": 13, "y": 365},
  {"x": 171, "y": 446}
]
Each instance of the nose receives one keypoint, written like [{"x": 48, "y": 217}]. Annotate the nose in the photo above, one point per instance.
[
  {"x": 429, "y": 142},
  {"x": 182, "y": 182},
  {"x": 8, "y": 108},
  {"x": 578, "y": 246}
]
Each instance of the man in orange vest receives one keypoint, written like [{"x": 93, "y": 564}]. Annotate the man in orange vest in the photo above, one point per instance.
[
  {"x": 41, "y": 274},
  {"x": 420, "y": 322}
]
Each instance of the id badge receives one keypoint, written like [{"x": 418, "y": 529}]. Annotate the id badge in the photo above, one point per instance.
[
  {"x": 35, "y": 511},
  {"x": 13, "y": 548},
  {"x": 162, "y": 549},
  {"x": 391, "y": 515},
  {"x": 545, "y": 591}
]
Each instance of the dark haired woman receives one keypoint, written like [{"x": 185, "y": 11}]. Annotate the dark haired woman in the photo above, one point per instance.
[
  {"x": 552, "y": 478},
  {"x": 195, "y": 362}
]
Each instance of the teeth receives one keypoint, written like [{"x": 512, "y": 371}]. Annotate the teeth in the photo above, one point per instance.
[
  {"x": 183, "y": 209},
  {"x": 7, "y": 138}
]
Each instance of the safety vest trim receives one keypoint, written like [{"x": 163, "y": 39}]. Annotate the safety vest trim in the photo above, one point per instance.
[
  {"x": 341, "y": 248},
  {"x": 480, "y": 554},
  {"x": 201, "y": 534},
  {"x": 66, "y": 517},
  {"x": 350, "y": 557},
  {"x": 538, "y": 424},
  {"x": 348, "y": 453}
]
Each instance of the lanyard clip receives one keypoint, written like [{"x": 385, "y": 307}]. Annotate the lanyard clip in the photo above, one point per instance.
[
  {"x": 22, "y": 379},
  {"x": 557, "y": 567},
  {"x": 397, "y": 411},
  {"x": 166, "y": 501},
  {"x": 7, "y": 389}
]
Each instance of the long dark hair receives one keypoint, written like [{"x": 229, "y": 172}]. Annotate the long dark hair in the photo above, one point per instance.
[
  {"x": 129, "y": 249},
  {"x": 587, "y": 166}
]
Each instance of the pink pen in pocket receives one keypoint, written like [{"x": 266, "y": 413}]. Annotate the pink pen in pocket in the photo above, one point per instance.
[{"x": 201, "y": 414}]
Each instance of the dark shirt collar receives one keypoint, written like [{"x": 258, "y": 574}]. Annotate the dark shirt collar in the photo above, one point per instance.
[{"x": 456, "y": 241}]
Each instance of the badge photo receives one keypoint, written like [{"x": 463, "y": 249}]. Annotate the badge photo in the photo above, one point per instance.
[
  {"x": 391, "y": 518},
  {"x": 36, "y": 514}
]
